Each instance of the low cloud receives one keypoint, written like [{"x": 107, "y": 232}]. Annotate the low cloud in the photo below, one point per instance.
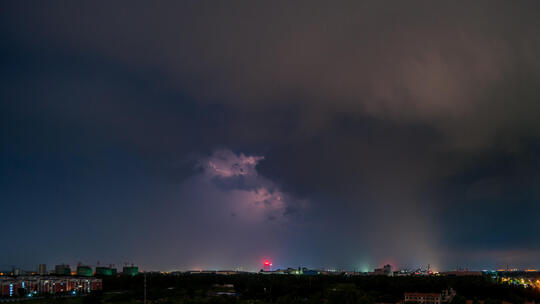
[{"x": 249, "y": 195}]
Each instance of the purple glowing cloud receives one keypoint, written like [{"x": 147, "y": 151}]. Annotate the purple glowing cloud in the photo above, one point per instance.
[{"x": 247, "y": 194}]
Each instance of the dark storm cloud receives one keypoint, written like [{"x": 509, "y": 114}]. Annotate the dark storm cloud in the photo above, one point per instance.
[
  {"x": 445, "y": 64},
  {"x": 395, "y": 120}
]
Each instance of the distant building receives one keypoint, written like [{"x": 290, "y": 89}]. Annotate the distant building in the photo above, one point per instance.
[
  {"x": 130, "y": 270},
  {"x": 388, "y": 271},
  {"x": 423, "y": 298},
  {"x": 33, "y": 285},
  {"x": 84, "y": 271},
  {"x": 62, "y": 269},
  {"x": 226, "y": 272},
  {"x": 105, "y": 271},
  {"x": 42, "y": 269},
  {"x": 445, "y": 296},
  {"x": 303, "y": 271},
  {"x": 222, "y": 290},
  {"x": 200, "y": 272},
  {"x": 267, "y": 265},
  {"x": 402, "y": 273},
  {"x": 310, "y": 272},
  {"x": 462, "y": 273},
  {"x": 293, "y": 271},
  {"x": 385, "y": 271}
]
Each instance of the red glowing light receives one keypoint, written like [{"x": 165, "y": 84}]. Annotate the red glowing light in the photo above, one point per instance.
[{"x": 267, "y": 263}]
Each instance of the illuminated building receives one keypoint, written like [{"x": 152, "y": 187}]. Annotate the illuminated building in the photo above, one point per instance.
[
  {"x": 267, "y": 265},
  {"x": 105, "y": 271},
  {"x": 423, "y": 298},
  {"x": 445, "y": 296},
  {"x": 84, "y": 271},
  {"x": 130, "y": 270},
  {"x": 226, "y": 272},
  {"x": 40, "y": 285}
]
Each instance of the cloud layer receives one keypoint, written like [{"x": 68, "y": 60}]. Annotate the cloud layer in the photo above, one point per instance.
[
  {"x": 347, "y": 134},
  {"x": 251, "y": 197}
]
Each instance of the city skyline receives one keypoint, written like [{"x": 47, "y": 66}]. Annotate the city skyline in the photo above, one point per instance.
[
  {"x": 183, "y": 134},
  {"x": 88, "y": 269},
  {"x": 266, "y": 265}
]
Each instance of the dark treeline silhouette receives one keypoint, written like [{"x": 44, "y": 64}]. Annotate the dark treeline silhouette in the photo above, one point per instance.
[{"x": 253, "y": 288}]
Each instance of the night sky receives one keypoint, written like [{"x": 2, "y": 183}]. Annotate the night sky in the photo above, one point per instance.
[{"x": 217, "y": 134}]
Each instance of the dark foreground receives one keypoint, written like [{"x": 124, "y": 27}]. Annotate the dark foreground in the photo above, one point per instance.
[{"x": 254, "y": 288}]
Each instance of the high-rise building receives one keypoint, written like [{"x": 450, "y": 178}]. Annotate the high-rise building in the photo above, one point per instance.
[
  {"x": 84, "y": 271},
  {"x": 42, "y": 269},
  {"x": 62, "y": 269},
  {"x": 104, "y": 271},
  {"x": 130, "y": 270}
]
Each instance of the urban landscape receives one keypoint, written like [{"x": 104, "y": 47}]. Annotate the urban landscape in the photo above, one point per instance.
[
  {"x": 231, "y": 286},
  {"x": 270, "y": 152}
]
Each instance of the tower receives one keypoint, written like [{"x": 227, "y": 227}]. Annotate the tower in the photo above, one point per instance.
[
  {"x": 267, "y": 265},
  {"x": 42, "y": 269}
]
